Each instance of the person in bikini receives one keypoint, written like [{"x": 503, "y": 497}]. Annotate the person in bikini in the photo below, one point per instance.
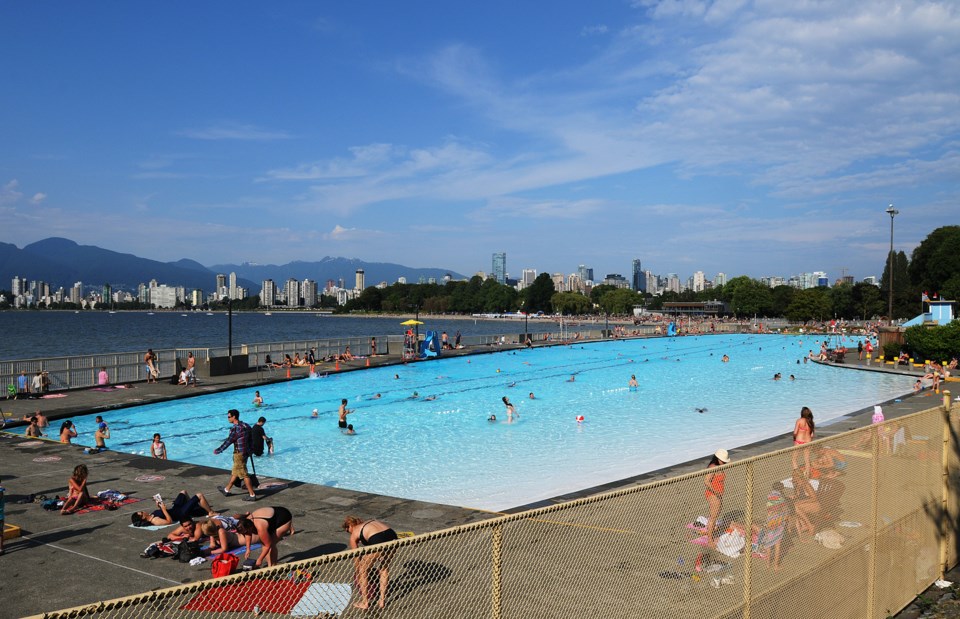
[
  {"x": 270, "y": 524},
  {"x": 803, "y": 434},
  {"x": 370, "y": 533},
  {"x": 715, "y": 484},
  {"x": 157, "y": 448}
]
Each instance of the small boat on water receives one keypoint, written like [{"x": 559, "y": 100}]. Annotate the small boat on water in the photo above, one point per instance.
[
  {"x": 268, "y": 313},
  {"x": 149, "y": 313},
  {"x": 183, "y": 314},
  {"x": 209, "y": 313}
]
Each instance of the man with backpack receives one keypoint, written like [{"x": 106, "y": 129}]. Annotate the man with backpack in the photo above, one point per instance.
[{"x": 239, "y": 437}]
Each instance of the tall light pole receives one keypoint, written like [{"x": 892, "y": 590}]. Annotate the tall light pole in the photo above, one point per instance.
[{"x": 892, "y": 212}]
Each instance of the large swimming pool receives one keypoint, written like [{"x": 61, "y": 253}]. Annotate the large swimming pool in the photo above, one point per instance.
[{"x": 445, "y": 450}]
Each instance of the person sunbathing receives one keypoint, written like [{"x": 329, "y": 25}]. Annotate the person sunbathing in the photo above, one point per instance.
[
  {"x": 183, "y": 507},
  {"x": 77, "y": 494}
]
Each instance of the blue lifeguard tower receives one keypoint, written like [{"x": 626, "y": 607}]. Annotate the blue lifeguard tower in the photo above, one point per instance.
[{"x": 939, "y": 312}]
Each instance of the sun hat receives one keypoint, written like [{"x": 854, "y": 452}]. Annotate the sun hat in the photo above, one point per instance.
[{"x": 722, "y": 455}]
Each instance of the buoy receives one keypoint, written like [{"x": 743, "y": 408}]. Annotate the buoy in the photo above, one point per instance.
[
  {"x": 288, "y": 372},
  {"x": 337, "y": 367},
  {"x": 368, "y": 361},
  {"x": 579, "y": 418}
]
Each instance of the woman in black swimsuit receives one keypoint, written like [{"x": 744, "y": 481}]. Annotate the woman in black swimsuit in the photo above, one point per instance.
[
  {"x": 369, "y": 533},
  {"x": 271, "y": 524}
]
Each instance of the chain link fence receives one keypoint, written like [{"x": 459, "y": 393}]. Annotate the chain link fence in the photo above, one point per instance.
[{"x": 871, "y": 526}]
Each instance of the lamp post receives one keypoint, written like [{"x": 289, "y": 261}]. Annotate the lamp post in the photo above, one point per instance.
[
  {"x": 230, "y": 334},
  {"x": 892, "y": 212}
]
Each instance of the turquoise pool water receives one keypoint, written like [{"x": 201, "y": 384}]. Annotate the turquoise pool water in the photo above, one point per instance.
[{"x": 446, "y": 451}]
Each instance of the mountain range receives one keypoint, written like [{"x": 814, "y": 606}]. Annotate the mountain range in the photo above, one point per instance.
[{"x": 61, "y": 262}]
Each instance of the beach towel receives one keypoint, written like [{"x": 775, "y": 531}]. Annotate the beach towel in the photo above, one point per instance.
[
  {"x": 323, "y": 598},
  {"x": 270, "y": 596},
  {"x": 96, "y": 505},
  {"x": 235, "y": 551},
  {"x": 151, "y": 527}
]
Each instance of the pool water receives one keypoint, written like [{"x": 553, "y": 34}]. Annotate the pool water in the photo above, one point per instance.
[{"x": 446, "y": 451}]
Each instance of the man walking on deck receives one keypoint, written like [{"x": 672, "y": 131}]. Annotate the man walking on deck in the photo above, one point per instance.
[{"x": 240, "y": 439}]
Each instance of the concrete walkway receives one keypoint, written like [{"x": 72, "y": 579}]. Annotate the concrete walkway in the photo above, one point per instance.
[{"x": 64, "y": 561}]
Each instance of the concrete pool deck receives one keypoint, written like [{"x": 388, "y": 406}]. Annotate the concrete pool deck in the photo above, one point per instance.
[{"x": 65, "y": 561}]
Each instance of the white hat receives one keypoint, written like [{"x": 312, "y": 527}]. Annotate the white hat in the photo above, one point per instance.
[
  {"x": 315, "y": 410},
  {"x": 722, "y": 455}
]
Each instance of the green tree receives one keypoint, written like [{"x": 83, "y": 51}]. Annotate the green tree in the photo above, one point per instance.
[
  {"x": 841, "y": 298},
  {"x": 935, "y": 263},
  {"x": 538, "y": 295},
  {"x": 781, "y": 296},
  {"x": 939, "y": 343},
  {"x": 867, "y": 301},
  {"x": 597, "y": 292},
  {"x": 905, "y": 301},
  {"x": 810, "y": 304},
  {"x": 570, "y": 303},
  {"x": 748, "y": 296},
  {"x": 619, "y": 301}
]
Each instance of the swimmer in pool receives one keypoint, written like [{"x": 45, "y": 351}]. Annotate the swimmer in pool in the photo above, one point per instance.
[
  {"x": 257, "y": 400},
  {"x": 349, "y": 430},
  {"x": 343, "y": 412},
  {"x": 315, "y": 414},
  {"x": 511, "y": 411},
  {"x": 725, "y": 359},
  {"x": 573, "y": 378},
  {"x": 531, "y": 396},
  {"x": 430, "y": 398},
  {"x": 492, "y": 418},
  {"x": 633, "y": 381}
]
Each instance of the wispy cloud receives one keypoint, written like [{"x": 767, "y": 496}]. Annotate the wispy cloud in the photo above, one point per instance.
[
  {"x": 38, "y": 198},
  {"x": 588, "y": 31},
  {"x": 9, "y": 193},
  {"x": 231, "y": 131},
  {"x": 339, "y": 233}
]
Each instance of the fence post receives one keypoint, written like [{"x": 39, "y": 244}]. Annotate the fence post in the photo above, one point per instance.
[
  {"x": 874, "y": 517},
  {"x": 748, "y": 547},
  {"x": 496, "y": 589},
  {"x": 945, "y": 486}
]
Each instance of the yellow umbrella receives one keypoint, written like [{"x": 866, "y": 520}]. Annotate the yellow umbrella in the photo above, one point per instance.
[{"x": 411, "y": 322}]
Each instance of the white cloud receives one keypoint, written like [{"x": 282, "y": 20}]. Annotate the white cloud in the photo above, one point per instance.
[
  {"x": 9, "y": 193},
  {"x": 38, "y": 198},
  {"x": 232, "y": 131},
  {"x": 599, "y": 29},
  {"x": 339, "y": 233}
]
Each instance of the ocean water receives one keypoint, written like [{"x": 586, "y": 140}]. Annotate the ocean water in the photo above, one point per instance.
[
  {"x": 445, "y": 450},
  {"x": 30, "y": 335}
]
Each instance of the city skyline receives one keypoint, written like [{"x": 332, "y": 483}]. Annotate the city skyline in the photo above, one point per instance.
[{"x": 742, "y": 137}]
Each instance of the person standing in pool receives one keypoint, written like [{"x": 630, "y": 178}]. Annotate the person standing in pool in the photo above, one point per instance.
[
  {"x": 511, "y": 410},
  {"x": 633, "y": 382},
  {"x": 157, "y": 448},
  {"x": 342, "y": 414},
  {"x": 101, "y": 434},
  {"x": 257, "y": 400}
]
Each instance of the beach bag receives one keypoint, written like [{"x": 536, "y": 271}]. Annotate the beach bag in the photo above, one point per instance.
[
  {"x": 187, "y": 551},
  {"x": 224, "y": 565},
  {"x": 159, "y": 549}
]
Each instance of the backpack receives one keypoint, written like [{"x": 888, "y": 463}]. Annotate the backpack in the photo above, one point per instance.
[
  {"x": 224, "y": 565},
  {"x": 187, "y": 551},
  {"x": 159, "y": 549}
]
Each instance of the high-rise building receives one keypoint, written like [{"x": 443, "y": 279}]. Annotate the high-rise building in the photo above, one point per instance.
[
  {"x": 221, "y": 290},
  {"x": 720, "y": 279},
  {"x": 360, "y": 283},
  {"x": 233, "y": 286},
  {"x": 308, "y": 290},
  {"x": 673, "y": 283},
  {"x": 698, "y": 282},
  {"x": 526, "y": 278},
  {"x": 616, "y": 280},
  {"x": 268, "y": 293},
  {"x": 18, "y": 286},
  {"x": 106, "y": 294},
  {"x": 585, "y": 273},
  {"x": 500, "y": 266},
  {"x": 558, "y": 282},
  {"x": 653, "y": 283},
  {"x": 574, "y": 283},
  {"x": 292, "y": 291},
  {"x": 639, "y": 282},
  {"x": 77, "y": 295},
  {"x": 196, "y": 297}
]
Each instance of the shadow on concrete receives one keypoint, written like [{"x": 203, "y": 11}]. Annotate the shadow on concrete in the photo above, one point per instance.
[{"x": 417, "y": 574}]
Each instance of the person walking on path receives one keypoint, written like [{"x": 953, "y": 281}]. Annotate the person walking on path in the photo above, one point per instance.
[{"x": 240, "y": 439}]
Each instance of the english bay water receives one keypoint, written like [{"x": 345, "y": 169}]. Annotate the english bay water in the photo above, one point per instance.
[{"x": 31, "y": 335}]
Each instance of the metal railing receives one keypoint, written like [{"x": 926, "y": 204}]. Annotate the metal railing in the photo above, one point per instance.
[{"x": 872, "y": 525}]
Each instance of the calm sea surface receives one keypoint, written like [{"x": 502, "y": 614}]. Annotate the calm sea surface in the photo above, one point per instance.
[{"x": 30, "y": 335}]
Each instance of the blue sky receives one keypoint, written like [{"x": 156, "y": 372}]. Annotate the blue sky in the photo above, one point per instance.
[{"x": 750, "y": 137}]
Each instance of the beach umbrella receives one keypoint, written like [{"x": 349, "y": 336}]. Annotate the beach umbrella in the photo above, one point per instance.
[{"x": 411, "y": 322}]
